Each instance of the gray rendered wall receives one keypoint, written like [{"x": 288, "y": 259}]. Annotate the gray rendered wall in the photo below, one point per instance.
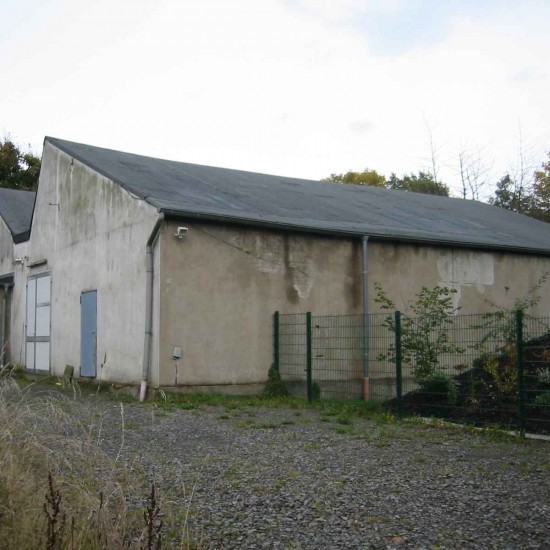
[
  {"x": 480, "y": 278},
  {"x": 91, "y": 234},
  {"x": 220, "y": 286},
  {"x": 6, "y": 249}
]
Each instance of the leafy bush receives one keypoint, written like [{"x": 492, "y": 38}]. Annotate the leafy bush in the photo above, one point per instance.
[
  {"x": 544, "y": 377},
  {"x": 425, "y": 333},
  {"x": 440, "y": 383},
  {"x": 315, "y": 391},
  {"x": 500, "y": 324},
  {"x": 274, "y": 387},
  {"x": 543, "y": 399},
  {"x": 504, "y": 373}
]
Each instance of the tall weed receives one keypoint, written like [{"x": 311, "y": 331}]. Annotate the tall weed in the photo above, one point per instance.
[{"x": 59, "y": 489}]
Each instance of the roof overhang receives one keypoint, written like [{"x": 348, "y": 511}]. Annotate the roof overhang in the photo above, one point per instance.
[
  {"x": 6, "y": 279},
  {"x": 373, "y": 236}
]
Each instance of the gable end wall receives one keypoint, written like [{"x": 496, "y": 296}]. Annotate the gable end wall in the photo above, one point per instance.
[{"x": 92, "y": 235}]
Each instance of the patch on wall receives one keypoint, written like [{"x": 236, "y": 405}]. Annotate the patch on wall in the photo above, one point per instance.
[
  {"x": 303, "y": 283},
  {"x": 459, "y": 268},
  {"x": 299, "y": 267},
  {"x": 269, "y": 252}
]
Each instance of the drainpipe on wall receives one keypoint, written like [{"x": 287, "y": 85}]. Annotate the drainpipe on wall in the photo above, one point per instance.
[
  {"x": 365, "y": 318},
  {"x": 149, "y": 272},
  {"x": 6, "y": 287}
]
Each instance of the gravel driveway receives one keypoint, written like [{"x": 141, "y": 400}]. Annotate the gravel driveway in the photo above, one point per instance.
[{"x": 286, "y": 478}]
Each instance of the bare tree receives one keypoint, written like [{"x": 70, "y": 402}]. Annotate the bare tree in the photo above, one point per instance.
[
  {"x": 434, "y": 151},
  {"x": 474, "y": 172},
  {"x": 515, "y": 191},
  {"x": 522, "y": 172}
]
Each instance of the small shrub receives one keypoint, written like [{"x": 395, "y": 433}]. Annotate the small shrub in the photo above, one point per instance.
[
  {"x": 16, "y": 371},
  {"x": 505, "y": 377},
  {"x": 425, "y": 331},
  {"x": 345, "y": 419},
  {"x": 274, "y": 387},
  {"x": 56, "y": 519},
  {"x": 543, "y": 399},
  {"x": 153, "y": 523},
  {"x": 544, "y": 377},
  {"x": 315, "y": 391},
  {"x": 500, "y": 324},
  {"x": 440, "y": 383},
  {"x": 502, "y": 380}
]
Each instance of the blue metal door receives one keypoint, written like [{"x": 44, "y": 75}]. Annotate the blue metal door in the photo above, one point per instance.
[{"x": 88, "y": 333}]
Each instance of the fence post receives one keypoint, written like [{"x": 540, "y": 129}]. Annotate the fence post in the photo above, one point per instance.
[
  {"x": 276, "y": 340},
  {"x": 398, "y": 366},
  {"x": 309, "y": 358},
  {"x": 521, "y": 371}
]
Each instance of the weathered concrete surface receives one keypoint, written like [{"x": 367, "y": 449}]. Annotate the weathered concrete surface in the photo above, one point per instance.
[
  {"x": 18, "y": 306},
  {"x": 481, "y": 279},
  {"x": 6, "y": 249},
  {"x": 220, "y": 286},
  {"x": 6, "y": 268},
  {"x": 92, "y": 235}
]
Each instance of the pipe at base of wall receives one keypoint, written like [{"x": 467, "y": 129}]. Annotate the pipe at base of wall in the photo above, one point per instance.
[
  {"x": 143, "y": 390},
  {"x": 366, "y": 388}
]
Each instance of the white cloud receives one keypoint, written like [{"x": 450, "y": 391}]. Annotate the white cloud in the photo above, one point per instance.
[{"x": 281, "y": 87}]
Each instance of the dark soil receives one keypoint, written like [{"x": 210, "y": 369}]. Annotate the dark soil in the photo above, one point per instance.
[{"x": 491, "y": 396}]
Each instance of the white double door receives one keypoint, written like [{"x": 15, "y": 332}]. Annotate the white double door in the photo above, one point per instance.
[{"x": 38, "y": 328}]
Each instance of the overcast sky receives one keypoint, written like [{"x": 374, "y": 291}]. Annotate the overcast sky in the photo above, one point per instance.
[{"x": 292, "y": 87}]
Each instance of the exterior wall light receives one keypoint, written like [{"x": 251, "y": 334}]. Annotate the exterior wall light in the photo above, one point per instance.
[{"x": 181, "y": 232}]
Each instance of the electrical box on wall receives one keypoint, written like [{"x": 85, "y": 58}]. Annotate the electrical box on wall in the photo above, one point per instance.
[{"x": 176, "y": 353}]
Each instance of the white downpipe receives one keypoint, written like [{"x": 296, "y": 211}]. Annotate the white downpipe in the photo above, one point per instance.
[
  {"x": 6, "y": 287},
  {"x": 149, "y": 274},
  {"x": 143, "y": 390}
]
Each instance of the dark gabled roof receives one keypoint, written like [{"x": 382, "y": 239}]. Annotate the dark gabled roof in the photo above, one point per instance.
[
  {"x": 191, "y": 190},
  {"x": 16, "y": 208}
]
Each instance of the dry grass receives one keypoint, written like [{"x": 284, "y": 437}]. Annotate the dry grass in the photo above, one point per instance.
[{"x": 58, "y": 489}]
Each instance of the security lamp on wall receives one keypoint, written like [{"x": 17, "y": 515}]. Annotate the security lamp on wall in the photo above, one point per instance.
[{"x": 181, "y": 232}]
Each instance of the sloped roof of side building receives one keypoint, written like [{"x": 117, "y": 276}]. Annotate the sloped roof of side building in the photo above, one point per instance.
[{"x": 16, "y": 209}]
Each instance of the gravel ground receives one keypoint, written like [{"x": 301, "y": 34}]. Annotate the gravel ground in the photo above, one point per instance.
[{"x": 286, "y": 478}]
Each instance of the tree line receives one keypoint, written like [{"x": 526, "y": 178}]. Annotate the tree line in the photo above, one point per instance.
[
  {"x": 524, "y": 192},
  {"x": 19, "y": 169},
  {"x": 423, "y": 182}
]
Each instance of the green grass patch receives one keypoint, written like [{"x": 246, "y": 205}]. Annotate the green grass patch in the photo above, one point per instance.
[
  {"x": 344, "y": 430},
  {"x": 230, "y": 402}
]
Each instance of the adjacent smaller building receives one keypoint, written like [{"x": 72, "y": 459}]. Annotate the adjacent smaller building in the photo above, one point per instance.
[{"x": 16, "y": 209}]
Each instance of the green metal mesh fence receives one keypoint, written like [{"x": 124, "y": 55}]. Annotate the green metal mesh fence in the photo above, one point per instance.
[
  {"x": 381, "y": 372},
  {"x": 491, "y": 369},
  {"x": 536, "y": 386},
  {"x": 337, "y": 356},
  {"x": 291, "y": 358},
  {"x": 462, "y": 369}
]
